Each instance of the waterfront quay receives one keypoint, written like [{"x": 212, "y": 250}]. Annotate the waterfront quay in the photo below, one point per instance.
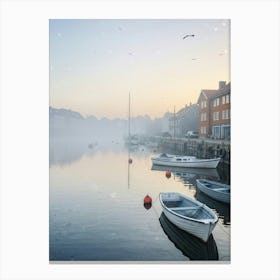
[{"x": 199, "y": 147}]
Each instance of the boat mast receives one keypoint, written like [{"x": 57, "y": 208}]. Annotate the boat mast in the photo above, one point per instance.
[
  {"x": 129, "y": 159},
  {"x": 129, "y": 120},
  {"x": 174, "y": 134},
  {"x": 174, "y": 124}
]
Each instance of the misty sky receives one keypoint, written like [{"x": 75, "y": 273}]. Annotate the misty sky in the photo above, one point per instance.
[{"x": 94, "y": 64}]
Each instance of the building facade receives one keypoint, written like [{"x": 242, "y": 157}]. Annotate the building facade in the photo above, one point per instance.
[
  {"x": 183, "y": 120},
  {"x": 214, "y": 112}
]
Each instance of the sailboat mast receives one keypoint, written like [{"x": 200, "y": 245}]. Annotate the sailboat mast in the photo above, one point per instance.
[
  {"x": 174, "y": 132},
  {"x": 129, "y": 119},
  {"x": 129, "y": 159},
  {"x": 174, "y": 124}
]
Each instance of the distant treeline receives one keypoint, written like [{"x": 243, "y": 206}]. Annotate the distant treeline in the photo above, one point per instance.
[{"x": 72, "y": 125}]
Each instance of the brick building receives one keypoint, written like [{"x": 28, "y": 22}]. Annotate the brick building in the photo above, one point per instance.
[{"x": 214, "y": 112}]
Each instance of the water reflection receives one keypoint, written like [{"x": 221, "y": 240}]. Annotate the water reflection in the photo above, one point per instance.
[
  {"x": 97, "y": 211},
  {"x": 63, "y": 152},
  {"x": 222, "y": 208},
  {"x": 187, "y": 173},
  {"x": 189, "y": 245}
]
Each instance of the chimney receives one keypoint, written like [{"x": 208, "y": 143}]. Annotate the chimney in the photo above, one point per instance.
[{"x": 222, "y": 84}]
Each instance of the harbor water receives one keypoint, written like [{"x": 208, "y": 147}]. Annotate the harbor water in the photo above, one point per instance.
[{"x": 97, "y": 211}]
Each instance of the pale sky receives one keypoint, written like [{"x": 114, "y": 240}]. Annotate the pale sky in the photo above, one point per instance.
[{"x": 94, "y": 64}]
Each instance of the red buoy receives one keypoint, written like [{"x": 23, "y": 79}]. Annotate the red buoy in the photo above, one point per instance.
[
  {"x": 147, "y": 199},
  {"x": 168, "y": 174},
  {"x": 147, "y": 202},
  {"x": 130, "y": 160}
]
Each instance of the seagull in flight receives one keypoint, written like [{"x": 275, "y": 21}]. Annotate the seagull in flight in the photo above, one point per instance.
[{"x": 188, "y": 35}]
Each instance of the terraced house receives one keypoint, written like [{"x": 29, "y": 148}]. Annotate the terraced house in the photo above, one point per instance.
[{"x": 214, "y": 112}]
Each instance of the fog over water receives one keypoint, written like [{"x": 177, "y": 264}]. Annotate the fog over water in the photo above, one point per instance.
[{"x": 71, "y": 125}]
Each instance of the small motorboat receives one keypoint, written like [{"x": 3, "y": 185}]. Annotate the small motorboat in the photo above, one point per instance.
[
  {"x": 215, "y": 190},
  {"x": 188, "y": 214},
  {"x": 185, "y": 161}
]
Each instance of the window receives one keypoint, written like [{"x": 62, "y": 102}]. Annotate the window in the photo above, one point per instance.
[
  {"x": 203, "y": 117},
  {"x": 223, "y": 99},
  {"x": 203, "y": 104},
  {"x": 216, "y": 102},
  {"x": 216, "y": 132},
  {"x": 225, "y": 114},
  {"x": 215, "y": 116},
  {"x": 203, "y": 130},
  {"x": 227, "y": 98}
]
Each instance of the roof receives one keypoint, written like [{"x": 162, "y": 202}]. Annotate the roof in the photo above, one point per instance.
[{"x": 211, "y": 93}]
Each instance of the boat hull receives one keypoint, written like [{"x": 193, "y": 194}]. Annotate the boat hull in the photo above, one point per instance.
[
  {"x": 220, "y": 196},
  {"x": 196, "y": 227},
  {"x": 198, "y": 163},
  {"x": 200, "y": 230}
]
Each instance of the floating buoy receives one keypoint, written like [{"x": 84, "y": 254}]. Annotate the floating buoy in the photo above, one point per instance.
[
  {"x": 130, "y": 160},
  {"x": 154, "y": 150},
  {"x": 147, "y": 199},
  {"x": 147, "y": 202},
  {"x": 168, "y": 174}
]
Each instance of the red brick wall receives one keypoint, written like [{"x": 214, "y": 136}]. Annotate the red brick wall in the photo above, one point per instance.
[{"x": 219, "y": 109}]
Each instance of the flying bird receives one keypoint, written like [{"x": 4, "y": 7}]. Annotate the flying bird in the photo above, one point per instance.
[{"x": 188, "y": 35}]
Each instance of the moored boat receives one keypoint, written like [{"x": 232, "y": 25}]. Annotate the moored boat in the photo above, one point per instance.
[
  {"x": 188, "y": 214},
  {"x": 191, "y": 246},
  {"x": 222, "y": 209},
  {"x": 215, "y": 190},
  {"x": 185, "y": 161}
]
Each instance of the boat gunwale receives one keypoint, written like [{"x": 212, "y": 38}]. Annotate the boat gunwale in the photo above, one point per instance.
[{"x": 220, "y": 188}]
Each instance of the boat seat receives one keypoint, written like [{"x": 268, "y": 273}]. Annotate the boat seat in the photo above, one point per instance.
[{"x": 185, "y": 208}]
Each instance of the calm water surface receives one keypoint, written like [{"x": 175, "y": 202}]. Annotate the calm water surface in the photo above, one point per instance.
[{"x": 97, "y": 211}]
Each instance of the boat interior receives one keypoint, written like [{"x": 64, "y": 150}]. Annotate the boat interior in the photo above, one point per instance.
[
  {"x": 217, "y": 187},
  {"x": 187, "y": 208}
]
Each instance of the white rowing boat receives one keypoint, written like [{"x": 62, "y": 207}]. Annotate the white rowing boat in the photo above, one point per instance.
[
  {"x": 185, "y": 161},
  {"x": 191, "y": 246},
  {"x": 215, "y": 190},
  {"x": 188, "y": 214}
]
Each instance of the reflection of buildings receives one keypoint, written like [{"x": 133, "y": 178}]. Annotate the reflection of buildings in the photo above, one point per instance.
[
  {"x": 189, "y": 245},
  {"x": 184, "y": 120},
  {"x": 214, "y": 112}
]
